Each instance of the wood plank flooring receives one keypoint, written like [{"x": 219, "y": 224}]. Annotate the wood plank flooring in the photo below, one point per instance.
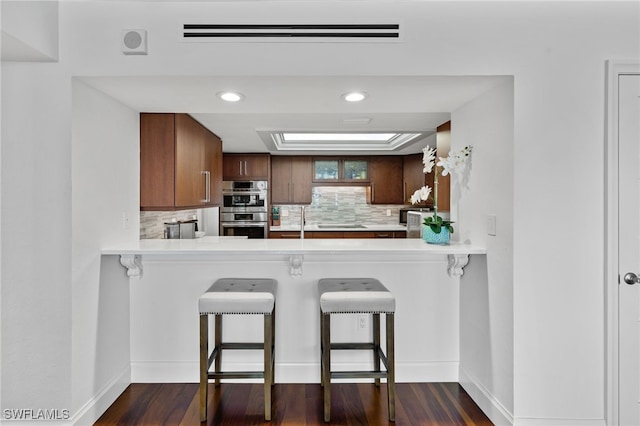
[{"x": 294, "y": 404}]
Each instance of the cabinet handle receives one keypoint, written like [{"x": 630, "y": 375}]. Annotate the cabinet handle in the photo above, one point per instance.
[
  {"x": 373, "y": 192},
  {"x": 240, "y": 163},
  {"x": 245, "y": 168},
  {"x": 207, "y": 186}
]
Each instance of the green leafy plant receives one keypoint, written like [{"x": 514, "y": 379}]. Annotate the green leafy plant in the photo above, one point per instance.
[
  {"x": 436, "y": 223},
  {"x": 455, "y": 161}
]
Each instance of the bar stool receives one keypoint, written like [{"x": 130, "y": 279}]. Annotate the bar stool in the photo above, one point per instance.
[
  {"x": 245, "y": 296},
  {"x": 357, "y": 296}
]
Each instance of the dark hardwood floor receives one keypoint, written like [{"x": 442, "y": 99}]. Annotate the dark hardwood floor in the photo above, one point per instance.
[{"x": 294, "y": 404}]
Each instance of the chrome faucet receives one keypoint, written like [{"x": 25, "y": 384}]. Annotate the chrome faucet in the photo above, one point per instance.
[{"x": 302, "y": 222}]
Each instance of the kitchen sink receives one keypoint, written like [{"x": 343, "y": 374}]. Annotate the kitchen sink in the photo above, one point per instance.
[{"x": 340, "y": 225}]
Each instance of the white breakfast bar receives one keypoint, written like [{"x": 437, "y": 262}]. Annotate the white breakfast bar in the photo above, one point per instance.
[{"x": 166, "y": 278}]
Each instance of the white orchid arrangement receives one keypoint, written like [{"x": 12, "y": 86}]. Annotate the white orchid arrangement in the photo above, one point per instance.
[{"x": 455, "y": 162}]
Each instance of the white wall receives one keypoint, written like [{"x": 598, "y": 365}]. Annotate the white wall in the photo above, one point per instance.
[
  {"x": 29, "y": 30},
  {"x": 556, "y": 53},
  {"x": 36, "y": 237},
  {"x": 105, "y": 159},
  {"x": 486, "y": 305}
]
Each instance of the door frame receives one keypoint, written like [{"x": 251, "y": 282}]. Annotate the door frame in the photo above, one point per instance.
[{"x": 614, "y": 69}]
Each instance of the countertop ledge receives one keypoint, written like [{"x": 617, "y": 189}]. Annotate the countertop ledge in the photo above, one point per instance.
[{"x": 457, "y": 254}]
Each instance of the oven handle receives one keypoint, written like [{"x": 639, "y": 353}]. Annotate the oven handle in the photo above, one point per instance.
[{"x": 243, "y": 224}]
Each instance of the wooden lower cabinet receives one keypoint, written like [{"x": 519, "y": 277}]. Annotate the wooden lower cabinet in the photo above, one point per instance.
[
  {"x": 339, "y": 234},
  {"x": 285, "y": 234}
]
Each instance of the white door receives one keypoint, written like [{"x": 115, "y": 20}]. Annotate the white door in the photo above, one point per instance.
[{"x": 629, "y": 249}]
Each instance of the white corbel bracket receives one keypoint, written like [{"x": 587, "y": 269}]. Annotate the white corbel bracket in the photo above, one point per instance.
[
  {"x": 456, "y": 263},
  {"x": 133, "y": 263},
  {"x": 295, "y": 263}
]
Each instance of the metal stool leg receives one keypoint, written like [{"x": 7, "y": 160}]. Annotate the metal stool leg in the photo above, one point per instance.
[
  {"x": 326, "y": 362},
  {"x": 218, "y": 346},
  {"x": 204, "y": 359},
  {"x": 376, "y": 344},
  {"x": 391, "y": 369},
  {"x": 268, "y": 372},
  {"x": 273, "y": 345}
]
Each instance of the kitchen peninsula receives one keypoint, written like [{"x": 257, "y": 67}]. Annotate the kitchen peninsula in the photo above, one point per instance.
[{"x": 166, "y": 278}]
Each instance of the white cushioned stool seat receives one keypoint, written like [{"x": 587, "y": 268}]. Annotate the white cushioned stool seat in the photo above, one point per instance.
[
  {"x": 239, "y": 296},
  {"x": 355, "y": 295}
]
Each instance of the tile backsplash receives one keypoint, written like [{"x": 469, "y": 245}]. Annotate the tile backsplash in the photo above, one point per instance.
[{"x": 337, "y": 204}]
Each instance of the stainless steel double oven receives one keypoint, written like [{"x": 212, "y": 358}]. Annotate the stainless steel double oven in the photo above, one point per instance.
[{"x": 245, "y": 209}]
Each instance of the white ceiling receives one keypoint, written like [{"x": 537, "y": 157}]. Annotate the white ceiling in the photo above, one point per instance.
[{"x": 394, "y": 104}]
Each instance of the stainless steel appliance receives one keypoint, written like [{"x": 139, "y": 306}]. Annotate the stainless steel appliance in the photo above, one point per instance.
[
  {"x": 403, "y": 213},
  {"x": 171, "y": 230},
  {"x": 180, "y": 230},
  {"x": 244, "y": 210}
]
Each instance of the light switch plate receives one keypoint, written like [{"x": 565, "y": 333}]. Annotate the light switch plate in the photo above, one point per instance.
[{"x": 491, "y": 224}]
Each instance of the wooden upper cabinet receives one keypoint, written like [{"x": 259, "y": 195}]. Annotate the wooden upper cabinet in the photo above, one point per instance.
[
  {"x": 291, "y": 179},
  {"x": 414, "y": 178},
  {"x": 190, "y": 162},
  {"x": 213, "y": 158},
  {"x": 180, "y": 163},
  {"x": 385, "y": 176},
  {"x": 246, "y": 167},
  {"x": 157, "y": 161}
]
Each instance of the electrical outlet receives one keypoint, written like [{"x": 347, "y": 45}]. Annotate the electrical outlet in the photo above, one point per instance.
[
  {"x": 284, "y": 213},
  {"x": 125, "y": 220},
  {"x": 491, "y": 224},
  {"x": 361, "y": 323},
  {"x": 388, "y": 212}
]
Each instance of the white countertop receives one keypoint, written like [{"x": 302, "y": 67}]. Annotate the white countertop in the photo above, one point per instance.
[
  {"x": 225, "y": 245},
  {"x": 294, "y": 251}
]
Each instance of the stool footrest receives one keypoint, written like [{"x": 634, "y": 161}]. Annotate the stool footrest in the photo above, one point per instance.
[
  {"x": 354, "y": 346},
  {"x": 241, "y": 345},
  {"x": 358, "y": 374},
  {"x": 236, "y": 375}
]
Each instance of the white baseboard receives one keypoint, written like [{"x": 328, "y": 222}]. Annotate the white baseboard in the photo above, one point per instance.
[
  {"x": 187, "y": 372},
  {"x": 488, "y": 403},
  {"x": 96, "y": 406},
  {"x": 558, "y": 422}
]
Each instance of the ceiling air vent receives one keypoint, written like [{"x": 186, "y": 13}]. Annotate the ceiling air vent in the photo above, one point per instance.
[{"x": 291, "y": 32}]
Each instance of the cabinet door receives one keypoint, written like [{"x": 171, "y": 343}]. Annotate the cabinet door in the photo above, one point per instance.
[
  {"x": 301, "y": 170},
  {"x": 257, "y": 166},
  {"x": 190, "y": 153},
  {"x": 232, "y": 167},
  {"x": 386, "y": 180},
  {"x": 290, "y": 180},
  {"x": 157, "y": 160},
  {"x": 291, "y": 235},
  {"x": 280, "y": 180},
  {"x": 414, "y": 178},
  {"x": 213, "y": 165},
  {"x": 324, "y": 234},
  {"x": 246, "y": 167}
]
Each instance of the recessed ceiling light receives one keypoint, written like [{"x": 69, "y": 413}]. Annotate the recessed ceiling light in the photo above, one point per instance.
[
  {"x": 354, "y": 96},
  {"x": 230, "y": 96}
]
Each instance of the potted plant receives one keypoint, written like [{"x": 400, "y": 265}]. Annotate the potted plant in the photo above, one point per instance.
[{"x": 437, "y": 230}]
